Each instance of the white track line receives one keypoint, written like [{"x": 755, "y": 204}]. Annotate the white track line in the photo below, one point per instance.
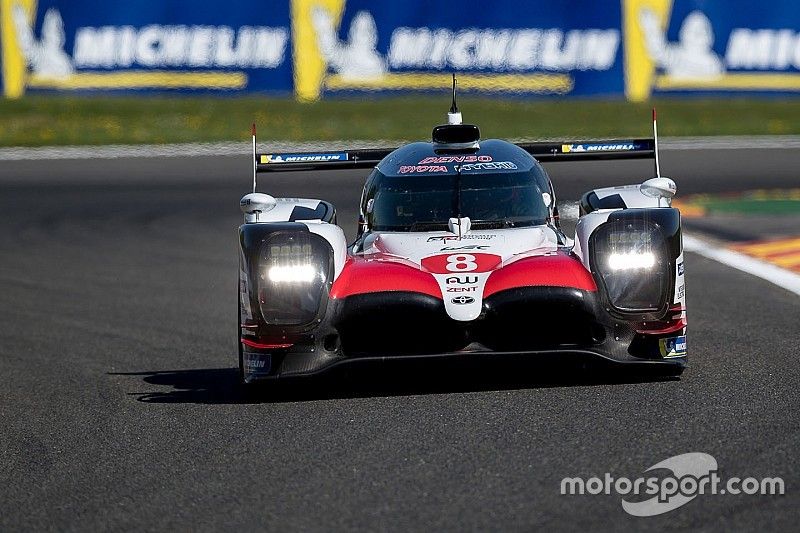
[
  {"x": 243, "y": 147},
  {"x": 766, "y": 271}
]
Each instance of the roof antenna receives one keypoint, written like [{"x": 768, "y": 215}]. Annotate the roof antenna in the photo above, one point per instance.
[
  {"x": 255, "y": 166},
  {"x": 655, "y": 143},
  {"x": 454, "y": 116},
  {"x": 658, "y": 187}
]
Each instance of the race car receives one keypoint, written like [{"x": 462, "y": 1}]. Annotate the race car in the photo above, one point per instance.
[{"x": 459, "y": 251}]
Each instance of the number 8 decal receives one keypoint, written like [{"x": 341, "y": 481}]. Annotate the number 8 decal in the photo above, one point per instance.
[
  {"x": 457, "y": 263},
  {"x": 461, "y": 263}
]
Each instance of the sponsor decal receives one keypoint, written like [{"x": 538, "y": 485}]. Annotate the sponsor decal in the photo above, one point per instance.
[
  {"x": 461, "y": 280},
  {"x": 302, "y": 158},
  {"x": 496, "y": 165},
  {"x": 356, "y": 54},
  {"x": 261, "y": 364},
  {"x": 704, "y": 50},
  {"x": 468, "y": 237},
  {"x": 244, "y": 299},
  {"x": 313, "y": 47},
  {"x": 457, "y": 159},
  {"x": 461, "y": 263},
  {"x": 673, "y": 346},
  {"x": 421, "y": 169},
  {"x": 36, "y": 53},
  {"x": 578, "y": 148},
  {"x": 680, "y": 269},
  {"x": 462, "y": 289},
  {"x": 466, "y": 247},
  {"x": 681, "y": 292},
  {"x": 463, "y": 300}
]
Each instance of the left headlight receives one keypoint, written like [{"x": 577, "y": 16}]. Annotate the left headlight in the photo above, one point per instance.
[
  {"x": 294, "y": 277},
  {"x": 630, "y": 260}
]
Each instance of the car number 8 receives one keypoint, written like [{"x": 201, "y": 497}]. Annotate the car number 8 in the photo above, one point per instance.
[{"x": 461, "y": 263}]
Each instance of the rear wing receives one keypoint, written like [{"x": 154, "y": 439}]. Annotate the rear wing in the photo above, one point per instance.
[{"x": 545, "y": 152}]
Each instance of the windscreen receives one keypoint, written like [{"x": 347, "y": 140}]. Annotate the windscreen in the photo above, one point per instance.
[{"x": 425, "y": 203}]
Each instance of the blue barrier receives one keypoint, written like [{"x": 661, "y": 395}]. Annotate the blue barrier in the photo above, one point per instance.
[{"x": 313, "y": 48}]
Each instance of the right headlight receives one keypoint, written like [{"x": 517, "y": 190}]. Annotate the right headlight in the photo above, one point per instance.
[
  {"x": 630, "y": 260},
  {"x": 294, "y": 274}
]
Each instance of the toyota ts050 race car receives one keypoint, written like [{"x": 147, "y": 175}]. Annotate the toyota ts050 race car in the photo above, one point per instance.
[{"x": 459, "y": 251}]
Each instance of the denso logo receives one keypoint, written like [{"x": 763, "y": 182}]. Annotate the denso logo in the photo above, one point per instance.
[{"x": 457, "y": 159}]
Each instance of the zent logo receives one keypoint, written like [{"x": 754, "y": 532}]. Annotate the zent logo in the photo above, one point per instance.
[{"x": 458, "y": 263}]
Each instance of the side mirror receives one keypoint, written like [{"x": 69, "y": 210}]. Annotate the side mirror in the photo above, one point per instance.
[
  {"x": 659, "y": 188},
  {"x": 255, "y": 203}
]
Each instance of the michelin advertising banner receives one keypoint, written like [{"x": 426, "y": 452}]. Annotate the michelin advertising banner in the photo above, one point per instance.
[{"x": 316, "y": 48}]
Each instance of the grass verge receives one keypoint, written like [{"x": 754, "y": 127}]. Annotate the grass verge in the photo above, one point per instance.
[{"x": 61, "y": 120}]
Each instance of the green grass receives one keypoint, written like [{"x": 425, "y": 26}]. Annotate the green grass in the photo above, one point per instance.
[{"x": 57, "y": 120}]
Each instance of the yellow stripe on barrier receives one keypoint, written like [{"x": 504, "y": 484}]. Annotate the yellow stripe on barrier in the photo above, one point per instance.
[
  {"x": 537, "y": 83},
  {"x": 732, "y": 82},
  {"x": 144, "y": 80}
]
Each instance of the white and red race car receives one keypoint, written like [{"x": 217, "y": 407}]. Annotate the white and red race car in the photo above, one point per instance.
[{"x": 459, "y": 252}]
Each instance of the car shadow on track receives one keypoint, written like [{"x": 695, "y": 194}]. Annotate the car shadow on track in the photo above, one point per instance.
[{"x": 394, "y": 378}]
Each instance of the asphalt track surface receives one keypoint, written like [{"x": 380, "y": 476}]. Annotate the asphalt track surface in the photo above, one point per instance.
[{"x": 119, "y": 407}]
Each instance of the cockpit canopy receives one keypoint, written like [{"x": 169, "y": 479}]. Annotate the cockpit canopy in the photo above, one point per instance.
[{"x": 499, "y": 186}]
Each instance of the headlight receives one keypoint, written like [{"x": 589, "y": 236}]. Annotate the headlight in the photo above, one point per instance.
[
  {"x": 630, "y": 261},
  {"x": 294, "y": 271},
  {"x": 292, "y": 274}
]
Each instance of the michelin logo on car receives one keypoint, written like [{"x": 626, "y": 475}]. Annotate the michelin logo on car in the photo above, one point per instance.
[
  {"x": 571, "y": 148},
  {"x": 673, "y": 346},
  {"x": 302, "y": 158}
]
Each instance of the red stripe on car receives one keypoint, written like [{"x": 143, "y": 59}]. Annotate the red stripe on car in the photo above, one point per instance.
[
  {"x": 262, "y": 346},
  {"x": 561, "y": 270},
  {"x": 364, "y": 276}
]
